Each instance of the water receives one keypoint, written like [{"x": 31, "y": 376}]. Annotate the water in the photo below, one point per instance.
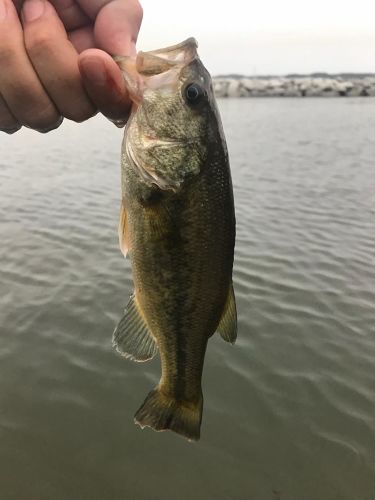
[{"x": 289, "y": 411}]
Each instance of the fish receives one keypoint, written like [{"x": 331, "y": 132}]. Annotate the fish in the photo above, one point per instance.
[{"x": 177, "y": 223}]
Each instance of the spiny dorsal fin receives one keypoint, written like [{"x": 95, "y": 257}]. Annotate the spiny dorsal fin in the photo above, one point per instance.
[
  {"x": 228, "y": 323},
  {"x": 132, "y": 337},
  {"x": 123, "y": 235}
]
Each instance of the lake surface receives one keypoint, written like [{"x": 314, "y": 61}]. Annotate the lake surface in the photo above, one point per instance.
[{"x": 289, "y": 411}]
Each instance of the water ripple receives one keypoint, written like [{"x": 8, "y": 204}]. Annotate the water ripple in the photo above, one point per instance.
[{"x": 289, "y": 411}]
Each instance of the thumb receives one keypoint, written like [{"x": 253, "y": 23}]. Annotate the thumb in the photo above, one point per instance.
[
  {"x": 105, "y": 84},
  {"x": 117, "y": 26}
]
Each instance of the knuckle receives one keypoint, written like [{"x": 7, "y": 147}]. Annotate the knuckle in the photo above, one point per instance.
[
  {"x": 10, "y": 130},
  {"x": 38, "y": 43},
  {"x": 51, "y": 127},
  {"x": 43, "y": 121},
  {"x": 6, "y": 54},
  {"x": 80, "y": 115},
  {"x": 8, "y": 122}
]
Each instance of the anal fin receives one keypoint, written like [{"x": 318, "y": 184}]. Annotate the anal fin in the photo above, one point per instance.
[
  {"x": 132, "y": 337},
  {"x": 228, "y": 322}
]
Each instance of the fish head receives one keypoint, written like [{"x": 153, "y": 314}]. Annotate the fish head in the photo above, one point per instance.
[{"x": 173, "y": 117}]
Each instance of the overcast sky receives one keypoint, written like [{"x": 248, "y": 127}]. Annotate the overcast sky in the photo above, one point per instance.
[{"x": 267, "y": 37}]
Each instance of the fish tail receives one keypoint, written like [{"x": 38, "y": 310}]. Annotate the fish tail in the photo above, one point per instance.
[{"x": 161, "y": 412}]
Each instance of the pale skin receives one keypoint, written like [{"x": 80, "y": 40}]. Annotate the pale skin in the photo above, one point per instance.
[{"x": 55, "y": 60}]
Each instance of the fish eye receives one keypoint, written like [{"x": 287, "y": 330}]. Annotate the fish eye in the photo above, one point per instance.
[{"x": 194, "y": 93}]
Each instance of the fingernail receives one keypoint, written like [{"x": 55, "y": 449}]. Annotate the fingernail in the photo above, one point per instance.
[
  {"x": 33, "y": 9},
  {"x": 3, "y": 10},
  {"x": 94, "y": 71}
]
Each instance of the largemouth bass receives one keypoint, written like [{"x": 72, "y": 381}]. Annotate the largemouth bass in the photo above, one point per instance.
[{"x": 178, "y": 224}]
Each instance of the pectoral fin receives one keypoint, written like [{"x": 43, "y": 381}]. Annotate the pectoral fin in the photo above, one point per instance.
[
  {"x": 123, "y": 232},
  {"x": 228, "y": 323},
  {"x": 132, "y": 337}
]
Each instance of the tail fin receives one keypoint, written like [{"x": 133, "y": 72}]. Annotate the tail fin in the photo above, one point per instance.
[{"x": 161, "y": 412}]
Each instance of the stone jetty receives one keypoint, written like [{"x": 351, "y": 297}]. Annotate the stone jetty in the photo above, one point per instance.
[{"x": 296, "y": 86}]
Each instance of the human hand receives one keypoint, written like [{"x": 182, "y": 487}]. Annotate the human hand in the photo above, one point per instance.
[{"x": 55, "y": 60}]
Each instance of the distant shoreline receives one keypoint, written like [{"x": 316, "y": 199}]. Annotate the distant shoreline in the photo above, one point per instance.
[{"x": 295, "y": 85}]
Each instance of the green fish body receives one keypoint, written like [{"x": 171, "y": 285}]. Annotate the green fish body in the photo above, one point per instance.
[{"x": 178, "y": 225}]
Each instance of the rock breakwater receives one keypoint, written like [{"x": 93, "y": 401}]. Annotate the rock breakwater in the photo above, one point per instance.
[{"x": 295, "y": 86}]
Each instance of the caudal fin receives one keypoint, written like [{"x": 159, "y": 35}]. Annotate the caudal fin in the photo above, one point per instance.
[{"x": 161, "y": 412}]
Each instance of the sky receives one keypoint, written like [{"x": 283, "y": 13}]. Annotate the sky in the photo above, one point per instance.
[{"x": 267, "y": 37}]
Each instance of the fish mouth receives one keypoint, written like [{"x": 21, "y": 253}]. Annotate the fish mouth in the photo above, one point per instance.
[
  {"x": 190, "y": 43},
  {"x": 156, "y": 68},
  {"x": 158, "y": 61},
  {"x": 160, "y": 68}
]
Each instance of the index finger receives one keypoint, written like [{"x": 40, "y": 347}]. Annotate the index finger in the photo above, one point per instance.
[
  {"x": 117, "y": 23},
  {"x": 116, "y": 30}
]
